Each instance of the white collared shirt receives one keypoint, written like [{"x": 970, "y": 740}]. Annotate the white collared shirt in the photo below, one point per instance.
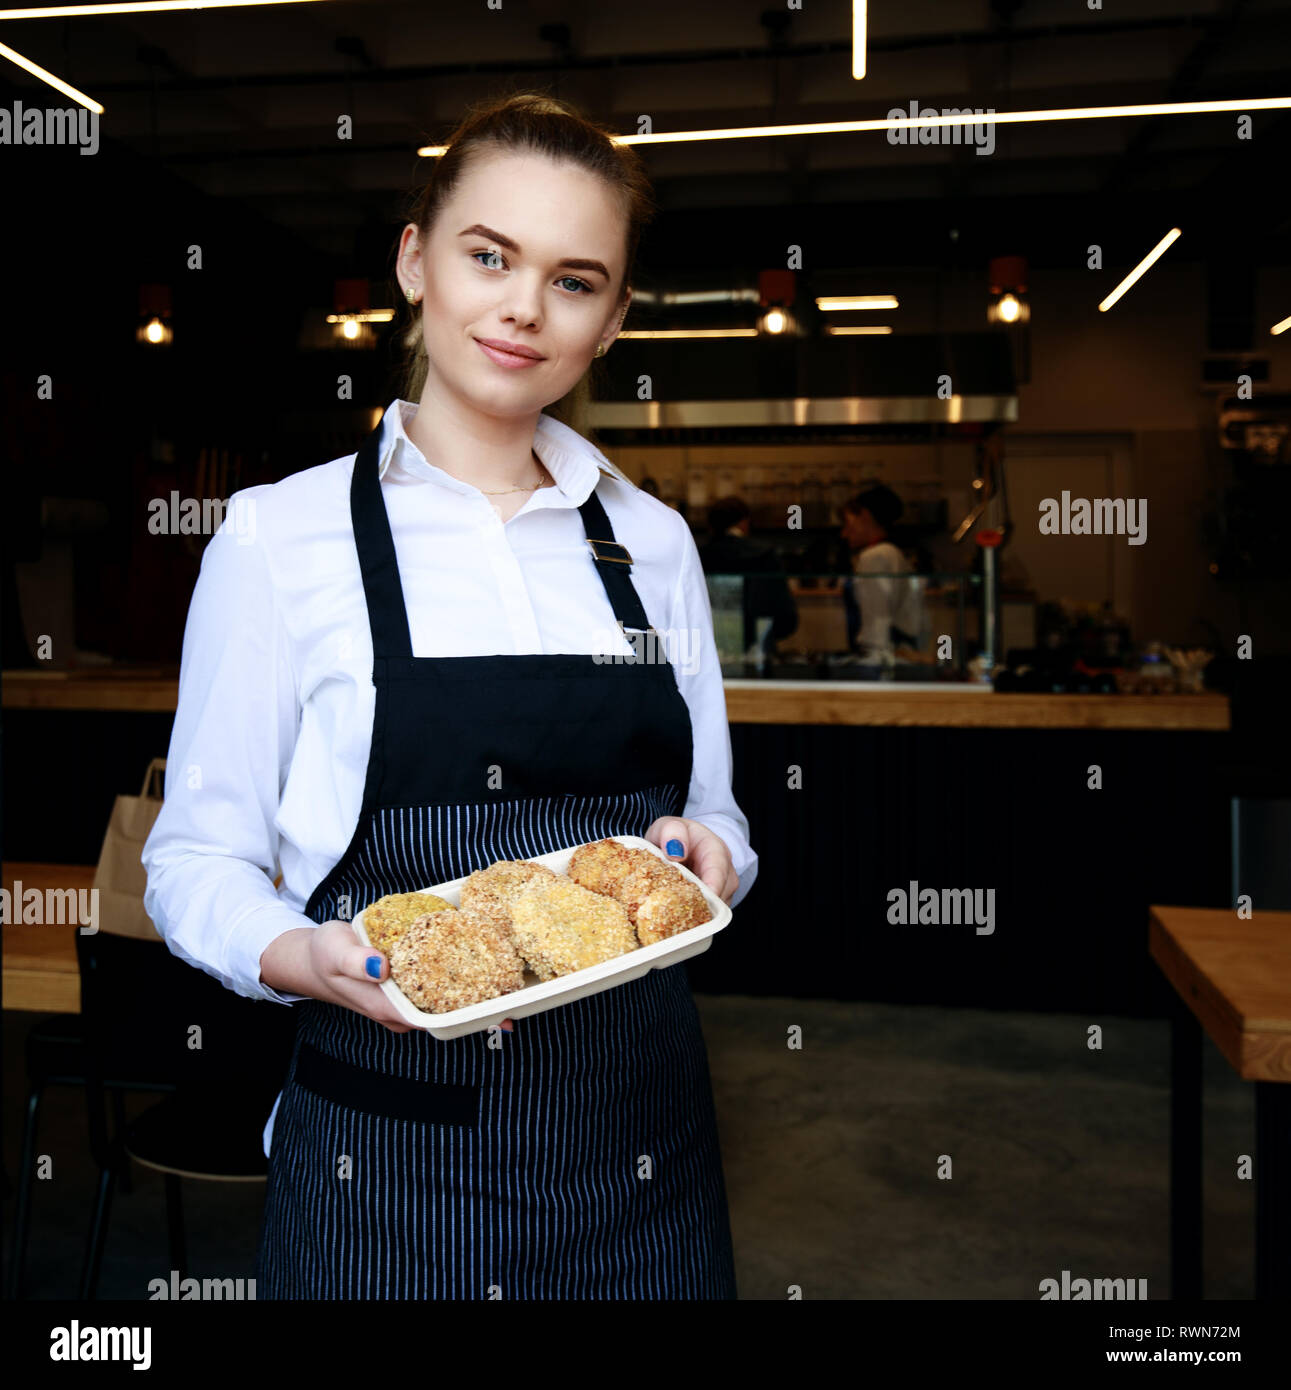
[{"x": 273, "y": 728}]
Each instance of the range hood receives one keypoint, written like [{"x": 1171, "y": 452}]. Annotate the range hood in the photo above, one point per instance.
[{"x": 725, "y": 390}]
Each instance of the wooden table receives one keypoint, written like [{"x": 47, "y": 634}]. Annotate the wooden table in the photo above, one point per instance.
[
  {"x": 1232, "y": 978},
  {"x": 40, "y": 970}
]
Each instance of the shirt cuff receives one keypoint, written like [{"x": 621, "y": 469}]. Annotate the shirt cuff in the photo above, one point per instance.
[{"x": 248, "y": 942}]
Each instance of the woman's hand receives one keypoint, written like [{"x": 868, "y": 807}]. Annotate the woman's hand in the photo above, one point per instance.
[
  {"x": 702, "y": 851},
  {"x": 330, "y": 963}
]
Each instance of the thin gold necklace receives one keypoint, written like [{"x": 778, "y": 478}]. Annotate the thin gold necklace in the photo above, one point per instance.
[{"x": 542, "y": 481}]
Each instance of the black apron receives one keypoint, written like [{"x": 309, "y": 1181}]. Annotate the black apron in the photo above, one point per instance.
[{"x": 578, "y": 1156}]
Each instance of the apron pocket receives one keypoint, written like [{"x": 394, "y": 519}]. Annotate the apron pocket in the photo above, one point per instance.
[{"x": 395, "y": 1097}]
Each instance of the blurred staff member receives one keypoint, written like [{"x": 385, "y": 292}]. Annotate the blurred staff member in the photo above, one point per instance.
[
  {"x": 731, "y": 550},
  {"x": 890, "y": 606}
]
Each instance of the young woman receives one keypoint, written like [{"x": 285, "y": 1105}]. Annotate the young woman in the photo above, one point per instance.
[{"x": 391, "y": 679}]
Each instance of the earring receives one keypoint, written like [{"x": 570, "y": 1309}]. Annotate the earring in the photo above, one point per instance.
[
  {"x": 411, "y": 296},
  {"x": 600, "y": 350}
]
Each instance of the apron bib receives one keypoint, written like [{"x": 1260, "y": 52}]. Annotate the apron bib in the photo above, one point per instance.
[{"x": 580, "y": 1158}]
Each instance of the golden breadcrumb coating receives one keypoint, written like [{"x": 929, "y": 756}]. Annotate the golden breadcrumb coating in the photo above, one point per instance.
[
  {"x": 490, "y": 892},
  {"x": 659, "y": 901},
  {"x": 560, "y": 927},
  {"x": 645, "y": 875},
  {"x": 389, "y": 917},
  {"x": 599, "y": 866},
  {"x": 448, "y": 960},
  {"x": 671, "y": 909}
]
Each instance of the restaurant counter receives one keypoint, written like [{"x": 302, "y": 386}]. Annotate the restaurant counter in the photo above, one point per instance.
[
  {"x": 962, "y": 706},
  {"x": 1074, "y": 812}
]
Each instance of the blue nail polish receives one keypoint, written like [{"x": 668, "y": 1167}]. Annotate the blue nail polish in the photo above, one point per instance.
[
  {"x": 675, "y": 848},
  {"x": 373, "y": 966}
]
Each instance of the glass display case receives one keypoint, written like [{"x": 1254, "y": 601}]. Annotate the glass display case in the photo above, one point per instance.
[{"x": 906, "y": 627}]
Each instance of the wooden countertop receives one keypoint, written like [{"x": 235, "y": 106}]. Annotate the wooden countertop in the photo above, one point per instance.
[
  {"x": 1235, "y": 975},
  {"x": 964, "y": 707},
  {"x": 747, "y": 702},
  {"x": 144, "y": 689},
  {"x": 40, "y": 969}
]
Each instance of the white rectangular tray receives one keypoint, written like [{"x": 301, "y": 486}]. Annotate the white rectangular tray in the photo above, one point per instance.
[{"x": 538, "y": 997}]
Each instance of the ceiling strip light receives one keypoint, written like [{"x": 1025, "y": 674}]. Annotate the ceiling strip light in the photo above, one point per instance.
[
  {"x": 56, "y": 82},
  {"x": 858, "y": 38},
  {"x": 829, "y": 302},
  {"x": 141, "y": 7},
  {"x": 690, "y": 333},
  {"x": 1149, "y": 260},
  {"x": 1081, "y": 113}
]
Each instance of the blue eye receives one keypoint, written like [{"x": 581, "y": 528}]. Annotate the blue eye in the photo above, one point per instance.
[{"x": 493, "y": 260}]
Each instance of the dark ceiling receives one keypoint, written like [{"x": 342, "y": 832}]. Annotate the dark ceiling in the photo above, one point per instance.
[{"x": 243, "y": 104}]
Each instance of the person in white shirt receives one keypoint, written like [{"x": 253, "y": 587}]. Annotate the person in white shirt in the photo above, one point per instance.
[
  {"x": 394, "y": 673},
  {"x": 890, "y": 606}
]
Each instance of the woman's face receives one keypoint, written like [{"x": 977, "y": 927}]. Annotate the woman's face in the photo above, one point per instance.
[{"x": 530, "y": 252}]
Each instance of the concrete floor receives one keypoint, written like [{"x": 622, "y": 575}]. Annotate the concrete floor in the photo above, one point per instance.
[{"x": 1060, "y": 1160}]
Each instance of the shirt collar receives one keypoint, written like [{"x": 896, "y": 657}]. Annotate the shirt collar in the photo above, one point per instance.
[{"x": 574, "y": 463}]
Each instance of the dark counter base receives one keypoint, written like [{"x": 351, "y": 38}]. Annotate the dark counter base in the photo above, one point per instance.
[{"x": 1074, "y": 870}]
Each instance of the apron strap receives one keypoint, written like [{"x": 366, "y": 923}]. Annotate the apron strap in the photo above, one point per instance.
[
  {"x": 614, "y": 565},
  {"x": 387, "y": 613},
  {"x": 383, "y": 589}
]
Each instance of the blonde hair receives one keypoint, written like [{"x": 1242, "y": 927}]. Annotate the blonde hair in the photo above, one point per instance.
[{"x": 523, "y": 123}]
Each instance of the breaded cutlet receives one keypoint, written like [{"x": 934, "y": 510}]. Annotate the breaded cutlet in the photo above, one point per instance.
[
  {"x": 490, "y": 892},
  {"x": 671, "y": 909},
  {"x": 389, "y": 917},
  {"x": 448, "y": 960},
  {"x": 659, "y": 900},
  {"x": 560, "y": 927},
  {"x": 600, "y": 866}
]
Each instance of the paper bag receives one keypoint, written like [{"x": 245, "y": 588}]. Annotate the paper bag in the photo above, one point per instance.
[{"x": 120, "y": 878}]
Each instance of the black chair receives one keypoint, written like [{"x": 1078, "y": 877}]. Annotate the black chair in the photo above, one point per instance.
[
  {"x": 55, "y": 1056},
  {"x": 150, "y": 1021},
  {"x": 227, "y": 1055}
]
